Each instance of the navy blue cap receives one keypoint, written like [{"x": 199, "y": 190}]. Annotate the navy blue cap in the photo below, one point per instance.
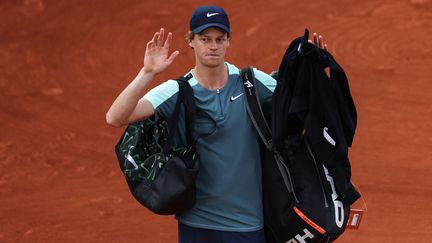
[{"x": 209, "y": 16}]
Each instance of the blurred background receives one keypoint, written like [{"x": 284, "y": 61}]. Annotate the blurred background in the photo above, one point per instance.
[{"x": 62, "y": 64}]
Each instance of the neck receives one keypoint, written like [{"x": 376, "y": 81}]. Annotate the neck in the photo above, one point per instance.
[{"x": 212, "y": 78}]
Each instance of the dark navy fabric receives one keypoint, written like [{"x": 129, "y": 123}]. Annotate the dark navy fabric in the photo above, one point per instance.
[{"x": 187, "y": 234}]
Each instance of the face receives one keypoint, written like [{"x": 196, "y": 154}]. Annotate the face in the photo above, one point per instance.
[{"x": 210, "y": 47}]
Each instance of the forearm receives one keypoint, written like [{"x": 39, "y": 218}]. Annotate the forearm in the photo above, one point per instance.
[
  {"x": 128, "y": 107},
  {"x": 124, "y": 105}
]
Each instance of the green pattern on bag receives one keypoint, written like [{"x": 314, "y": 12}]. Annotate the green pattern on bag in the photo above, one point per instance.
[{"x": 147, "y": 160}]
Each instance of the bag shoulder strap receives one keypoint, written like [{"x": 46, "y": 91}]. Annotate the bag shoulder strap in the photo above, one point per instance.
[
  {"x": 257, "y": 116},
  {"x": 185, "y": 97},
  {"x": 254, "y": 107},
  {"x": 190, "y": 108}
]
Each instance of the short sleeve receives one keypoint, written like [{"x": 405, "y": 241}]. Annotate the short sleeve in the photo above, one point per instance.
[
  {"x": 163, "y": 97},
  {"x": 266, "y": 85}
]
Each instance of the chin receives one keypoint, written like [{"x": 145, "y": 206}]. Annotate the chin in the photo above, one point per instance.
[{"x": 213, "y": 63}]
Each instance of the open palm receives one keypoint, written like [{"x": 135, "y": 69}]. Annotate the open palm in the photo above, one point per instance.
[{"x": 156, "y": 58}]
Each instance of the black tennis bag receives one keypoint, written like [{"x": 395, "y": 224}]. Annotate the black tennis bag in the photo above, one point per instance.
[
  {"x": 161, "y": 176},
  {"x": 301, "y": 202}
]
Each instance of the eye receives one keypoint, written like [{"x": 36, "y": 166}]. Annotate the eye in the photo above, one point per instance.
[{"x": 221, "y": 39}]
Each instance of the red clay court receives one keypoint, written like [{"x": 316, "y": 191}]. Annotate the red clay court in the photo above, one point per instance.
[{"x": 62, "y": 63}]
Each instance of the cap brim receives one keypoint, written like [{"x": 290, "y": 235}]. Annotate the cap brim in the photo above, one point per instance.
[{"x": 206, "y": 26}]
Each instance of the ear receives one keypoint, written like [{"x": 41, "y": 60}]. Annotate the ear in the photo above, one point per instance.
[{"x": 191, "y": 44}]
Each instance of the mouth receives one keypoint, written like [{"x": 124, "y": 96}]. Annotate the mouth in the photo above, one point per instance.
[{"x": 212, "y": 55}]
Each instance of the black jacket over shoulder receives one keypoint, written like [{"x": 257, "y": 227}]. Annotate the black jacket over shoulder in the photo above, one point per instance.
[{"x": 306, "y": 99}]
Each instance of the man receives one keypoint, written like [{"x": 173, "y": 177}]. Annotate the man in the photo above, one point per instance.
[{"x": 228, "y": 187}]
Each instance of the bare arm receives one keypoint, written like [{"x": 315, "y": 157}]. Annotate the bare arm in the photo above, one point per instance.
[{"x": 129, "y": 106}]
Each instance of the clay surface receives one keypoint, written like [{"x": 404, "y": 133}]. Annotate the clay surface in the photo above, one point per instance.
[{"x": 62, "y": 63}]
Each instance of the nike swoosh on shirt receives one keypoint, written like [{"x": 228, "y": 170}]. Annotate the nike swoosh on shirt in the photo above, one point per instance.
[
  {"x": 211, "y": 14},
  {"x": 232, "y": 98}
]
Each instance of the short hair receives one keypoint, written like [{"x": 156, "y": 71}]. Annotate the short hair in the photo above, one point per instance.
[{"x": 189, "y": 36}]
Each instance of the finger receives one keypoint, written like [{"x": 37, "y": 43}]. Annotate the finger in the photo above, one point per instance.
[
  {"x": 320, "y": 42},
  {"x": 153, "y": 40},
  {"x": 171, "y": 58},
  {"x": 168, "y": 40},
  {"x": 315, "y": 38},
  {"x": 149, "y": 46},
  {"x": 310, "y": 41},
  {"x": 325, "y": 47},
  {"x": 160, "y": 37},
  {"x": 155, "y": 36}
]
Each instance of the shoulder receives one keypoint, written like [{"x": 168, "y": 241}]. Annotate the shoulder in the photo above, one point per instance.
[
  {"x": 232, "y": 69},
  {"x": 261, "y": 77},
  {"x": 264, "y": 77},
  {"x": 167, "y": 91},
  {"x": 162, "y": 92}
]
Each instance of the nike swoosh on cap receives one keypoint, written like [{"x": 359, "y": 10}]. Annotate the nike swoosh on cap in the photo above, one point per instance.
[{"x": 211, "y": 14}]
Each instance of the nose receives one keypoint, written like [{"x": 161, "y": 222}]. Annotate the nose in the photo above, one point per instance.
[{"x": 213, "y": 44}]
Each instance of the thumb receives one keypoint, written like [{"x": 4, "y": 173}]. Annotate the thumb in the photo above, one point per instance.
[{"x": 173, "y": 55}]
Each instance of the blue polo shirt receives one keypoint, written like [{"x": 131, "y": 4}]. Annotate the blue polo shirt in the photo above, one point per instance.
[{"x": 228, "y": 187}]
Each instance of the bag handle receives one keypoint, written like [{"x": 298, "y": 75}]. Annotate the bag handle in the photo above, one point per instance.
[{"x": 184, "y": 96}]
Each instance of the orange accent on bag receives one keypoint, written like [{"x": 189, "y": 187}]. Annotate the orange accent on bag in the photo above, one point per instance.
[{"x": 308, "y": 221}]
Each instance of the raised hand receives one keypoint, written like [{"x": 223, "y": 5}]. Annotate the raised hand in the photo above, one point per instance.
[
  {"x": 318, "y": 40},
  {"x": 156, "y": 58}
]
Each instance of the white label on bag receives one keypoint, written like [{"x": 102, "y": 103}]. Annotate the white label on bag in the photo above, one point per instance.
[
  {"x": 301, "y": 239},
  {"x": 339, "y": 211},
  {"x": 355, "y": 219},
  {"x": 248, "y": 84}
]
